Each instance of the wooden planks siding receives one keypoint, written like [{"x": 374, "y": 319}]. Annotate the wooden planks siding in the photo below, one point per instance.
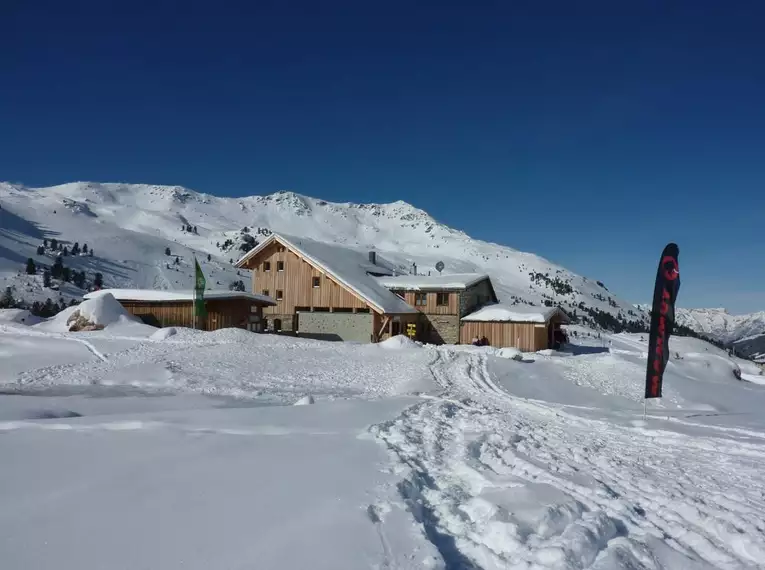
[
  {"x": 432, "y": 308},
  {"x": 221, "y": 313},
  {"x": 165, "y": 314},
  {"x": 296, "y": 284},
  {"x": 524, "y": 336}
]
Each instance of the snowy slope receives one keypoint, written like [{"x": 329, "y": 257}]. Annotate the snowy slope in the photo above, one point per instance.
[
  {"x": 131, "y": 225},
  {"x": 411, "y": 457}
]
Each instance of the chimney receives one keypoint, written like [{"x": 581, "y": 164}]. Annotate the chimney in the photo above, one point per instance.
[
  {"x": 414, "y": 269},
  {"x": 373, "y": 258}
]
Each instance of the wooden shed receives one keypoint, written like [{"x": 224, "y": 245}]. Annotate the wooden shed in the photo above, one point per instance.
[
  {"x": 523, "y": 327},
  {"x": 225, "y": 309}
]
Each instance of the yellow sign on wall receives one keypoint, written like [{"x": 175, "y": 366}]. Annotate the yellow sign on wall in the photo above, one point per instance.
[{"x": 411, "y": 330}]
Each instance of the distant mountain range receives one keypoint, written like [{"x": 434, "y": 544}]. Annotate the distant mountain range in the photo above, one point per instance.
[
  {"x": 721, "y": 325},
  {"x": 745, "y": 333}
]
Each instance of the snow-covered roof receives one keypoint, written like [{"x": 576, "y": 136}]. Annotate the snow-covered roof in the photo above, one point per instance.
[
  {"x": 349, "y": 267},
  {"x": 417, "y": 282},
  {"x": 514, "y": 314},
  {"x": 163, "y": 295}
]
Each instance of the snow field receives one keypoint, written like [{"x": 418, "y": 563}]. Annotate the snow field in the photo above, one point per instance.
[{"x": 411, "y": 456}]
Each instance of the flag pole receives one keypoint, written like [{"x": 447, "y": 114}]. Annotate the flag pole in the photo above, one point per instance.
[
  {"x": 194, "y": 309},
  {"x": 645, "y": 402}
]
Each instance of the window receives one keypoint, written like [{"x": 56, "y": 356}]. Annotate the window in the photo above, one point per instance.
[
  {"x": 280, "y": 266},
  {"x": 279, "y": 295},
  {"x": 342, "y": 310},
  {"x": 302, "y": 309},
  {"x": 265, "y": 292},
  {"x": 266, "y": 266},
  {"x": 364, "y": 310},
  {"x": 316, "y": 282},
  {"x": 280, "y": 248},
  {"x": 420, "y": 299},
  {"x": 277, "y": 325},
  {"x": 321, "y": 309},
  {"x": 442, "y": 299}
]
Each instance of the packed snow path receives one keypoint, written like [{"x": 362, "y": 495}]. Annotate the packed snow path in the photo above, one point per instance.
[{"x": 498, "y": 481}]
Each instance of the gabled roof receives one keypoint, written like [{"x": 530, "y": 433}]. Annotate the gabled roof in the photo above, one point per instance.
[
  {"x": 349, "y": 267},
  {"x": 418, "y": 282},
  {"x": 515, "y": 314},
  {"x": 157, "y": 295}
]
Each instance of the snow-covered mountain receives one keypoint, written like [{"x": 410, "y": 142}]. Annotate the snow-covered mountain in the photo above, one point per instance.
[
  {"x": 719, "y": 324},
  {"x": 131, "y": 227}
]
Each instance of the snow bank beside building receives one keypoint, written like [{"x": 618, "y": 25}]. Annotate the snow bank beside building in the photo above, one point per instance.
[
  {"x": 398, "y": 342},
  {"x": 97, "y": 313}
]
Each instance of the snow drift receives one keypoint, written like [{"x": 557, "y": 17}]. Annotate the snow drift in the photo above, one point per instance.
[
  {"x": 94, "y": 314},
  {"x": 18, "y": 316},
  {"x": 164, "y": 333},
  {"x": 398, "y": 342}
]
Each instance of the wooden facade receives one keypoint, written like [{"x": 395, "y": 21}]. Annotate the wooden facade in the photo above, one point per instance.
[
  {"x": 299, "y": 286},
  {"x": 280, "y": 272},
  {"x": 528, "y": 337},
  {"x": 221, "y": 313},
  {"x": 431, "y": 305}
]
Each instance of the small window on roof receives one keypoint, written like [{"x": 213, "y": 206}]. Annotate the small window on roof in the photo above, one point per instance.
[
  {"x": 420, "y": 299},
  {"x": 266, "y": 266},
  {"x": 442, "y": 299},
  {"x": 280, "y": 266},
  {"x": 279, "y": 295},
  {"x": 280, "y": 248},
  {"x": 316, "y": 282}
]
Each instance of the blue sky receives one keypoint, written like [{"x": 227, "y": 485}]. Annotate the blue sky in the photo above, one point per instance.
[{"x": 590, "y": 133}]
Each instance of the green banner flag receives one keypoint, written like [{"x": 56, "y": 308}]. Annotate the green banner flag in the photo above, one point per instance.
[{"x": 199, "y": 290}]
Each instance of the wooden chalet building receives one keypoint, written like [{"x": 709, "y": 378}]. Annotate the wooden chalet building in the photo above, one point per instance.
[
  {"x": 521, "y": 326},
  {"x": 325, "y": 291},
  {"x": 332, "y": 292},
  {"x": 442, "y": 301},
  {"x": 225, "y": 309}
]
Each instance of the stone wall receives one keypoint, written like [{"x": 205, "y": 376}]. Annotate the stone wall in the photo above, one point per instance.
[
  {"x": 287, "y": 322},
  {"x": 335, "y": 326},
  {"x": 442, "y": 329},
  {"x": 475, "y": 297}
]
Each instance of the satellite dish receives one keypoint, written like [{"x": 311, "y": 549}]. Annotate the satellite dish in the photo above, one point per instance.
[{"x": 440, "y": 266}]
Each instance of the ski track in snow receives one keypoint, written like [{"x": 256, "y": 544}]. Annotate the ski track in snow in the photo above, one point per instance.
[{"x": 498, "y": 481}]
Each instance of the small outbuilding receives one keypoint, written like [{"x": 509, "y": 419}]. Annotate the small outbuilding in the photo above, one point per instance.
[
  {"x": 176, "y": 308},
  {"x": 523, "y": 327}
]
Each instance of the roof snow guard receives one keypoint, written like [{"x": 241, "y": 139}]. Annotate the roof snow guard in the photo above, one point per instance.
[
  {"x": 516, "y": 314},
  {"x": 349, "y": 267},
  {"x": 421, "y": 282},
  {"x": 159, "y": 296}
]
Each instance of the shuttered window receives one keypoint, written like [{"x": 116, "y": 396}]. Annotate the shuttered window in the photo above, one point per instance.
[
  {"x": 420, "y": 299},
  {"x": 442, "y": 299}
]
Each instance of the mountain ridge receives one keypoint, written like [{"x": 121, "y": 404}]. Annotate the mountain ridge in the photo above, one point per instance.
[{"x": 132, "y": 226}]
